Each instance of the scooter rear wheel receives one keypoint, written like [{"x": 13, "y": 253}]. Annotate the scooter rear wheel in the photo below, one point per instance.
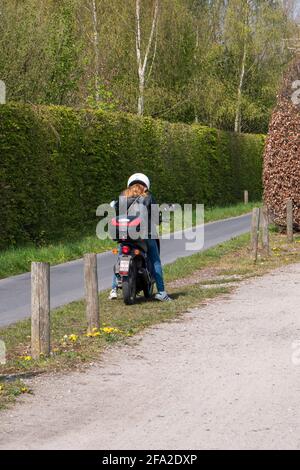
[{"x": 129, "y": 285}]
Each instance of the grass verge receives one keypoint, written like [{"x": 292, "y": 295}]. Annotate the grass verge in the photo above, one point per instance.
[
  {"x": 219, "y": 213},
  {"x": 9, "y": 391},
  {"x": 17, "y": 260},
  {"x": 191, "y": 281}
]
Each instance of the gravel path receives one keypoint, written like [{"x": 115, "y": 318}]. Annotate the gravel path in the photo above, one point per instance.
[{"x": 223, "y": 376}]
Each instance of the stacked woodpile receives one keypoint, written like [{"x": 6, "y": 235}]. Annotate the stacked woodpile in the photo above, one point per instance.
[{"x": 282, "y": 151}]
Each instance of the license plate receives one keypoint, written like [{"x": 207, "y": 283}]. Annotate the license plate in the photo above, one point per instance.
[{"x": 124, "y": 265}]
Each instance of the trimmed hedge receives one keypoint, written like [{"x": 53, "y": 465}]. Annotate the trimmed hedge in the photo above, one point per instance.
[{"x": 58, "y": 164}]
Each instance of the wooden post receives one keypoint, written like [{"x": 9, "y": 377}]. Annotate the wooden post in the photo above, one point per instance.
[
  {"x": 265, "y": 231},
  {"x": 289, "y": 221},
  {"x": 255, "y": 232},
  {"x": 91, "y": 291},
  {"x": 40, "y": 309},
  {"x": 246, "y": 197}
]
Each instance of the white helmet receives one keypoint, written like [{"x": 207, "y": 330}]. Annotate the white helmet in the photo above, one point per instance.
[{"x": 139, "y": 178}]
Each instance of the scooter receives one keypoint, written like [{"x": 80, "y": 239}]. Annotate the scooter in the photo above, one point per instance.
[{"x": 133, "y": 267}]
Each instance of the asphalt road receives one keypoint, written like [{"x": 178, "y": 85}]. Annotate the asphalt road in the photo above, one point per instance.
[{"x": 67, "y": 279}]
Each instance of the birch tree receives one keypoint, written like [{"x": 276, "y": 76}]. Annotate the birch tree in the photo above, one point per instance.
[
  {"x": 253, "y": 46},
  {"x": 238, "y": 112},
  {"x": 96, "y": 49},
  {"x": 238, "y": 22},
  {"x": 142, "y": 62}
]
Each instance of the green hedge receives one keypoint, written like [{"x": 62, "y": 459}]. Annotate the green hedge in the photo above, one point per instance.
[{"x": 58, "y": 164}]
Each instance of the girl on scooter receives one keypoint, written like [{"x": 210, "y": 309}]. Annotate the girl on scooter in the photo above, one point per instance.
[{"x": 138, "y": 186}]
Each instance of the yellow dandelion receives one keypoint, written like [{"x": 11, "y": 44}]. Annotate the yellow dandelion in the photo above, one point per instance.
[
  {"x": 26, "y": 358},
  {"x": 109, "y": 330},
  {"x": 24, "y": 390},
  {"x": 93, "y": 334},
  {"x": 73, "y": 338}
]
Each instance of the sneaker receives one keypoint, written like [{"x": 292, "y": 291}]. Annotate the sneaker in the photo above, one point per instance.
[
  {"x": 163, "y": 297},
  {"x": 113, "y": 294}
]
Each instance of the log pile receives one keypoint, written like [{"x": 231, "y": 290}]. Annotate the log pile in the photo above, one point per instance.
[{"x": 282, "y": 152}]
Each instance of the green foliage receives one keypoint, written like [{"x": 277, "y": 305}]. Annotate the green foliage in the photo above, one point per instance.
[
  {"x": 58, "y": 164},
  {"x": 104, "y": 99},
  {"x": 50, "y": 55},
  {"x": 62, "y": 49}
]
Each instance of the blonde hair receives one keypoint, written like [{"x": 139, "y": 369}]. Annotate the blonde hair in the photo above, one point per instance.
[{"x": 135, "y": 190}]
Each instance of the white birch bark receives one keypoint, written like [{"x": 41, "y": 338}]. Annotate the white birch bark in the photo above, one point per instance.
[
  {"x": 197, "y": 89},
  {"x": 238, "y": 114},
  {"x": 143, "y": 62},
  {"x": 96, "y": 50}
]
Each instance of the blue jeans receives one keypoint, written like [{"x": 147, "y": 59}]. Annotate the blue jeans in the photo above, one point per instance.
[
  {"x": 155, "y": 261},
  {"x": 154, "y": 257}
]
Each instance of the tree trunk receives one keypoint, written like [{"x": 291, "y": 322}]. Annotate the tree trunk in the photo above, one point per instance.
[
  {"x": 96, "y": 50},
  {"x": 197, "y": 90},
  {"x": 142, "y": 64},
  {"x": 141, "y": 95},
  {"x": 238, "y": 115}
]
